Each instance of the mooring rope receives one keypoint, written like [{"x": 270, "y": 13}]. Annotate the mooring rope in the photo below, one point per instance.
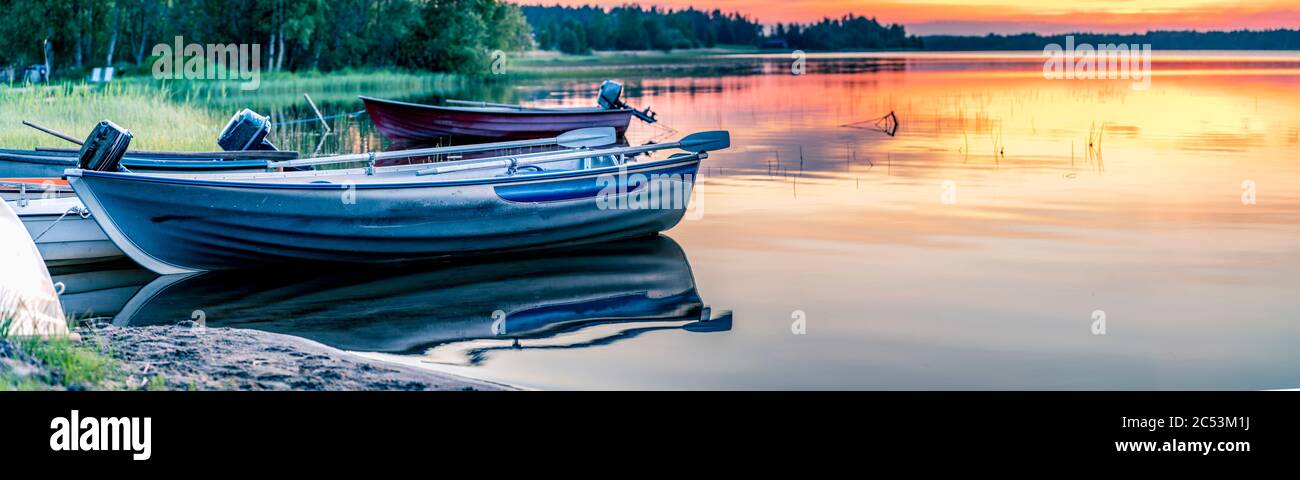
[
  {"x": 315, "y": 119},
  {"x": 81, "y": 212}
]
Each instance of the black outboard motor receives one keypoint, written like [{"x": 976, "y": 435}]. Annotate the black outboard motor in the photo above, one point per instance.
[
  {"x": 608, "y": 100},
  {"x": 104, "y": 148},
  {"x": 247, "y": 130},
  {"x": 609, "y": 93}
]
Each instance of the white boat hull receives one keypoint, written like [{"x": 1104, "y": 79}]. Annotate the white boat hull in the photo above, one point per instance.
[{"x": 64, "y": 236}]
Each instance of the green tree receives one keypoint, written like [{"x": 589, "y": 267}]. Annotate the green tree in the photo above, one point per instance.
[
  {"x": 446, "y": 35},
  {"x": 452, "y": 38}
]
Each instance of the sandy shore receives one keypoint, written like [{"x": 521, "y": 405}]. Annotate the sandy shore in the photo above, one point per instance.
[{"x": 238, "y": 359}]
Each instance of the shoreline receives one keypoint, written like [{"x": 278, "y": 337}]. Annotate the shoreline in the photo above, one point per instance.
[
  {"x": 240, "y": 359},
  {"x": 198, "y": 358}
]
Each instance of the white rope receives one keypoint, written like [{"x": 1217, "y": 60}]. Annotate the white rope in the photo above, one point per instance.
[{"x": 81, "y": 212}]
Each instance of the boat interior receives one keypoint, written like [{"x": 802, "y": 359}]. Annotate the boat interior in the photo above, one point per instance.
[{"x": 530, "y": 164}]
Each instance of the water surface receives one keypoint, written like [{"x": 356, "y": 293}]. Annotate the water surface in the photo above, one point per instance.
[{"x": 973, "y": 250}]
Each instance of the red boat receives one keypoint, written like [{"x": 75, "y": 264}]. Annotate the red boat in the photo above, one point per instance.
[{"x": 403, "y": 121}]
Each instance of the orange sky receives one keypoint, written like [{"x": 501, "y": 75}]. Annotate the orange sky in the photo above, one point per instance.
[{"x": 1011, "y": 16}]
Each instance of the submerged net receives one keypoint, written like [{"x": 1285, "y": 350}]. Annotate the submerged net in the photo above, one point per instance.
[{"x": 887, "y": 124}]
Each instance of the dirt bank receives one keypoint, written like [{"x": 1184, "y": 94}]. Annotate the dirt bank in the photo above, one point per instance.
[{"x": 187, "y": 358}]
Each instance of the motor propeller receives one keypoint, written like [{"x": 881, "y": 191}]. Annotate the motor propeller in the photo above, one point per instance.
[{"x": 610, "y": 91}]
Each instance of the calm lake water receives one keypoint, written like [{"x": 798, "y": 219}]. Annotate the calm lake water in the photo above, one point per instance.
[{"x": 973, "y": 250}]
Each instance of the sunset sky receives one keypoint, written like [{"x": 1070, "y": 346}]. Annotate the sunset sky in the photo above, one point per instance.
[{"x": 1010, "y": 16}]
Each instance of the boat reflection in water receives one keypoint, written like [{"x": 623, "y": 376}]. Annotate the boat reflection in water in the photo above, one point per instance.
[
  {"x": 547, "y": 297},
  {"x": 98, "y": 291}
]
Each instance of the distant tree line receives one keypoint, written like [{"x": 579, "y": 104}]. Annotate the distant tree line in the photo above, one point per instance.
[
  {"x": 443, "y": 35},
  {"x": 1162, "y": 40},
  {"x": 846, "y": 33},
  {"x": 630, "y": 27}
]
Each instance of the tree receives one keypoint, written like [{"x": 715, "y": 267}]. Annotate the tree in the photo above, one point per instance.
[
  {"x": 631, "y": 27},
  {"x": 452, "y": 38}
]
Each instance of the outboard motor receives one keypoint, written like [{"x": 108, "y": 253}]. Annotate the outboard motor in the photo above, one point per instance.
[
  {"x": 609, "y": 93},
  {"x": 247, "y": 130},
  {"x": 608, "y": 100},
  {"x": 104, "y": 148}
]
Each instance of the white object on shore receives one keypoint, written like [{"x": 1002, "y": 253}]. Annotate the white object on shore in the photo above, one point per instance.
[
  {"x": 101, "y": 74},
  {"x": 29, "y": 304}
]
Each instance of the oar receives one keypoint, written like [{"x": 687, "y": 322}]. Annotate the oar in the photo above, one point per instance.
[
  {"x": 580, "y": 138},
  {"x": 52, "y": 132},
  {"x": 694, "y": 143}
]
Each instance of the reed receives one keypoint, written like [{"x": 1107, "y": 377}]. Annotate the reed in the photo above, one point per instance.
[
  {"x": 280, "y": 91},
  {"x": 157, "y": 122},
  {"x": 188, "y": 114}
]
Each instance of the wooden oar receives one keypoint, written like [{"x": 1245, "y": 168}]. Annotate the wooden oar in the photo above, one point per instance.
[
  {"x": 580, "y": 138},
  {"x": 695, "y": 143},
  {"x": 52, "y": 132}
]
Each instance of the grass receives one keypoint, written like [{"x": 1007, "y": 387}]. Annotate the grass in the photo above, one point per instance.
[
  {"x": 74, "y": 108},
  {"x": 282, "y": 90},
  {"x": 186, "y": 114},
  {"x": 57, "y": 363},
  {"x": 13, "y": 383},
  {"x": 71, "y": 363}
]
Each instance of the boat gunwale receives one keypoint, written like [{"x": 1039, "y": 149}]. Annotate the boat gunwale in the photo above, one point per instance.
[
  {"x": 194, "y": 163},
  {"x": 520, "y": 179},
  {"x": 522, "y": 110},
  {"x": 164, "y": 155},
  {"x": 214, "y": 164},
  {"x": 36, "y": 159}
]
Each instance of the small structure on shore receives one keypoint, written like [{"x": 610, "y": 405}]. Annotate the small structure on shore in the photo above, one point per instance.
[
  {"x": 36, "y": 74},
  {"x": 29, "y": 304},
  {"x": 101, "y": 75}
]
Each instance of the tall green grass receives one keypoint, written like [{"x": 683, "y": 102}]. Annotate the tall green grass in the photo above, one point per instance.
[
  {"x": 157, "y": 122},
  {"x": 66, "y": 363},
  {"x": 281, "y": 91},
  {"x": 74, "y": 363},
  {"x": 188, "y": 114}
]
